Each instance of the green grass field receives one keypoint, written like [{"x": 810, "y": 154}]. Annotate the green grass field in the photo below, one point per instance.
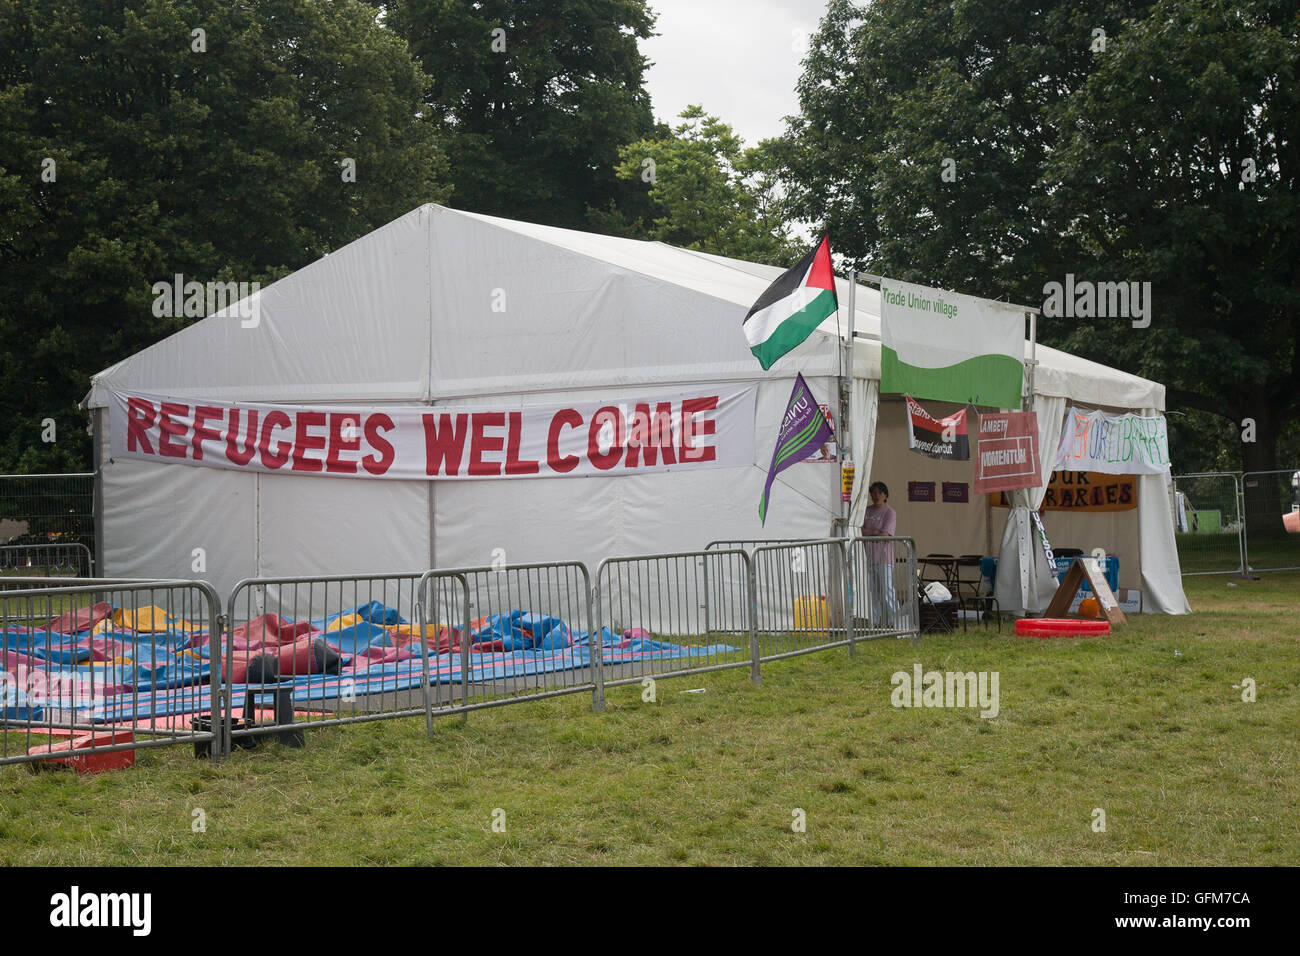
[{"x": 1145, "y": 724}]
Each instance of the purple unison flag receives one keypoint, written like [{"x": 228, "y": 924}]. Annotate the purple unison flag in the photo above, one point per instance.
[{"x": 803, "y": 431}]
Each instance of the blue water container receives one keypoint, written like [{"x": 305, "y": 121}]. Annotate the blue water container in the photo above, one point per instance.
[{"x": 1109, "y": 567}]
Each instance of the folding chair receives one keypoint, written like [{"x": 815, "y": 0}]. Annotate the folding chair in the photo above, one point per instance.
[{"x": 941, "y": 614}]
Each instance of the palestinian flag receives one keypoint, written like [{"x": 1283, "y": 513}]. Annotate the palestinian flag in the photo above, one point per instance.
[{"x": 792, "y": 306}]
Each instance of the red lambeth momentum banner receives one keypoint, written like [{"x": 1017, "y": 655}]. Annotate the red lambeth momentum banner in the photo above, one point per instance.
[
  {"x": 712, "y": 428},
  {"x": 1008, "y": 452}
]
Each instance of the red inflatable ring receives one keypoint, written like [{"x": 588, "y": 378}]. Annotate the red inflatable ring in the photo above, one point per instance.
[{"x": 1045, "y": 627}]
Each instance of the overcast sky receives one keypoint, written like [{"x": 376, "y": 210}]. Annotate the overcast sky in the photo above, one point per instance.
[{"x": 737, "y": 58}]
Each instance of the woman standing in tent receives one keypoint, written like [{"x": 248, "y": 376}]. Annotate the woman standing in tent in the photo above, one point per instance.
[{"x": 880, "y": 521}]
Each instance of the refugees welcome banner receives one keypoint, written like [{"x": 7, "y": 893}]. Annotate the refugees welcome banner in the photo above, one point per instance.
[
  {"x": 950, "y": 347},
  {"x": 706, "y": 428},
  {"x": 1113, "y": 444}
]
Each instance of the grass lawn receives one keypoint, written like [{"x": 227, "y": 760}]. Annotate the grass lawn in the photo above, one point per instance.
[{"x": 1145, "y": 725}]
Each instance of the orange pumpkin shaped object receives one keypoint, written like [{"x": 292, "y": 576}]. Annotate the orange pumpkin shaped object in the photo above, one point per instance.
[{"x": 1089, "y": 607}]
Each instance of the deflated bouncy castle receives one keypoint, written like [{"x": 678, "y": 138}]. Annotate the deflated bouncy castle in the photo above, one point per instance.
[{"x": 146, "y": 668}]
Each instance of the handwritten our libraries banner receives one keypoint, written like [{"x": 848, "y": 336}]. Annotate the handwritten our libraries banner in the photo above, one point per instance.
[
  {"x": 1113, "y": 444},
  {"x": 1080, "y": 491}
]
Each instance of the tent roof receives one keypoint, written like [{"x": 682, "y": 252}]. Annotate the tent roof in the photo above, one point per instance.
[{"x": 444, "y": 304}]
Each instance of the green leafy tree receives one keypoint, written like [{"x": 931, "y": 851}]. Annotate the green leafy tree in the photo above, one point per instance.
[
  {"x": 536, "y": 97},
  {"x": 995, "y": 148},
  {"x": 1181, "y": 167},
  {"x": 147, "y": 138},
  {"x": 707, "y": 192}
]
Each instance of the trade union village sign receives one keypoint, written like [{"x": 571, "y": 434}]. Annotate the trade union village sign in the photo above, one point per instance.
[{"x": 1080, "y": 491}]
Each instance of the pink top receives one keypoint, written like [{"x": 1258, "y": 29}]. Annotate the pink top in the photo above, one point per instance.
[{"x": 879, "y": 521}]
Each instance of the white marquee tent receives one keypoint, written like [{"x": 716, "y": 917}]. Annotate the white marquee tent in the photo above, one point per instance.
[{"x": 443, "y": 307}]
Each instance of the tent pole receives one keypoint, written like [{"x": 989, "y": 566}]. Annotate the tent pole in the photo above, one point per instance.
[
  {"x": 97, "y": 429},
  {"x": 1033, "y": 359},
  {"x": 842, "y": 441}
]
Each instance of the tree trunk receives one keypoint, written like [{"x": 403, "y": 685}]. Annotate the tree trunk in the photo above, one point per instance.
[{"x": 1264, "y": 501}]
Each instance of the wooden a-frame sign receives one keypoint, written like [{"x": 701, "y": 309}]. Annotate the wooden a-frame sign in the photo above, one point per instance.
[{"x": 1086, "y": 569}]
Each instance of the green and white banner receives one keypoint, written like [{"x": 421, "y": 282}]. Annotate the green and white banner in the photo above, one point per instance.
[{"x": 950, "y": 347}]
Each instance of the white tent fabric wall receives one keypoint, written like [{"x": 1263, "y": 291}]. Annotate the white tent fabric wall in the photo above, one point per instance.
[
  {"x": 1162, "y": 579},
  {"x": 864, "y": 409},
  {"x": 173, "y": 522},
  {"x": 1024, "y": 580},
  {"x": 447, "y": 307}
]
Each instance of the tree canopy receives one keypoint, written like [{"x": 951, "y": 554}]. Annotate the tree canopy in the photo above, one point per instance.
[
  {"x": 535, "y": 98},
  {"x": 706, "y": 192},
  {"x": 1105, "y": 140},
  {"x": 149, "y": 138}
]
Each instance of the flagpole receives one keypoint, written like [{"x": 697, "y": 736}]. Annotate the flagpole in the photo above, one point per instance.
[{"x": 846, "y": 398}]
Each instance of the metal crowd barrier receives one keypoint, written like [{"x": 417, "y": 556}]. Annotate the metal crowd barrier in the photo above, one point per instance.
[
  {"x": 884, "y": 588},
  {"x": 52, "y": 558},
  {"x": 1209, "y": 530},
  {"x": 522, "y": 632},
  {"x": 801, "y": 597},
  {"x": 1269, "y": 500},
  {"x": 137, "y": 671},
  {"x": 672, "y": 614},
  {"x": 732, "y": 544},
  {"x": 283, "y": 629},
  {"x": 157, "y": 659}
]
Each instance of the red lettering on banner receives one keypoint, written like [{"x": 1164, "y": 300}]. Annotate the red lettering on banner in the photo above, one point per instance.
[
  {"x": 479, "y": 443},
  {"x": 234, "y": 453},
  {"x": 338, "y": 422},
  {"x": 380, "y": 462},
  {"x": 514, "y": 437},
  {"x": 707, "y": 426},
  {"x": 274, "y": 419},
  {"x": 565, "y": 417},
  {"x": 140, "y": 416},
  {"x": 201, "y": 432},
  {"x": 650, "y": 436},
  {"x": 439, "y": 444},
  {"x": 304, "y": 442},
  {"x": 168, "y": 427},
  {"x": 607, "y": 460},
  {"x": 460, "y": 442}
]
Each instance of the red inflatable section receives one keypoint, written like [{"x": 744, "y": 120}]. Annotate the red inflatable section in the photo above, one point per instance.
[
  {"x": 1045, "y": 627},
  {"x": 270, "y": 629},
  {"x": 81, "y": 620},
  {"x": 295, "y": 659}
]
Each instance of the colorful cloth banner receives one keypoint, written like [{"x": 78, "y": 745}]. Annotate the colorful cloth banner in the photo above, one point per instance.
[
  {"x": 944, "y": 438},
  {"x": 803, "y": 432},
  {"x": 950, "y": 347},
  {"x": 1113, "y": 444},
  {"x": 709, "y": 428},
  {"x": 1008, "y": 452}
]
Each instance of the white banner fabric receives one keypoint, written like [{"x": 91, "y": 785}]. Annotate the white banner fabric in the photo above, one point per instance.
[{"x": 710, "y": 427}]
